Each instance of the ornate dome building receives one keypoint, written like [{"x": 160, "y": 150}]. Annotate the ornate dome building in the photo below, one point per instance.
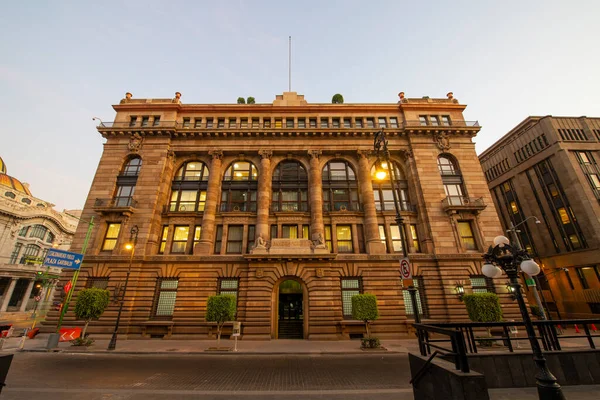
[{"x": 28, "y": 228}]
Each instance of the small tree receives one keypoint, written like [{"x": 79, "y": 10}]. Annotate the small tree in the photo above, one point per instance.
[
  {"x": 251, "y": 100},
  {"x": 337, "y": 99},
  {"x": 364, "y": 308},
  {"x": 483, "y": 307},
  {"x": 241, "y": 100},
  {"x": 220, "y": 309},
  {"x": 90, "y": 305}
]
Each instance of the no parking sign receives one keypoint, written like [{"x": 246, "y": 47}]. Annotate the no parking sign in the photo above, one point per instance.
[{"x": 405, "y": 271}]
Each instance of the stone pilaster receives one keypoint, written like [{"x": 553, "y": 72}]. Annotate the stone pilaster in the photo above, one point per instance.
[
  {"x": 316, "y": 195},
  {"x": 205, "y": 245},
  {"x": 374, "y": 245},
  {"x": 8, "y": 294},
  {"x": 264, "y": 194},
  {"x": 26, "y": 296}
]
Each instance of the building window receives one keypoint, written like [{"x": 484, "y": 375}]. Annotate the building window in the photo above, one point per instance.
[
  {"x": 301, "y": 122},
  {"x": 415, "y": 238},
  {"x": 466, "y": 235},
  {"x": 124, "y": 197},
  {"x": 335, "y": 122},
  {"x": 10, "y": 194},
  {"x": 408, "y": 305},
  {"x": 306, "y": 231},
  {"x": 290, "y": 187},
  {"x": 180, "y": 238},
  {"x": 255, "y": 123},
  {"x": 145, "y": 121},
  {"x": 251, "y": 238},
  {"x": 14, "y": 256},
  {"x": 350, "y": 287},
  {"x": 370, "y": 123},
  {"x": 289, "y": 122},
  {"x": 358, "y": 122},
  {"x": 112, "y": 234},
  {"x": 382, "y": 190},
  {"x": 434, "y": 120},
  {"x": 188, "y": 189},
  {"x": 235, "y": 236},
  {"x": 481, "y": 284},
  {"x": 163, "y": 240},
  {"x": 393, "y": 122},
  {"x": 278, "y": 123},
  {"x": 289, "y": 231},
  {"x": 96, "y": 282},
  {"x": 423, "y": 120},
  {"x": 25, "y": 200},
  {"x": 588, "y": 165},
  {"x": 186, "y": 122},
  {"x": 232, "y": 123},
  {"x": 274, "y": 234},
  {"x": 452, "y": 180},
  {"x": 340, "y": 188},
  {"x": 343, "y": 235},
  {"x": 164, "y": 300},
  {"x": 132, "y": 121},
  {"x": 587, "y": 275},
  {"x": 198, "y": 123},
  {"x": 218, "y": 239},
  {"x": 347, "y": 123},
  {"x": 32, "y": 251},
  {"x": 382, "y": 236},
  {"x": 569, "y": 280},
  {"x": 396, "y": 238},
  {"x": 267, "y": 123},
  {"x": 229, "y": 286},
  {"x": 23, "y": 231},
  {"x": 243, "y": 122},
  {"x": 324, "y": 122},
  {"x": 313, "y": 122},
  {"x": 382, "y": 122},
  {"x": 220, "y": 123},
  {"x": 209, "y": 122},
  {"x": 328, "y": 240},
  {"x": 126, "y": 182},
  {"x": 38, "y": 231},
  {"x": 361, "y": 239},
  {"x": 446, "y": 120}
]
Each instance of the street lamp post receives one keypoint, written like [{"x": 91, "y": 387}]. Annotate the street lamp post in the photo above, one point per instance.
[
  {"x": 131, "y": 247},
  {"x": 509, "y": 258},
  {"x": 380, "y": 146}
]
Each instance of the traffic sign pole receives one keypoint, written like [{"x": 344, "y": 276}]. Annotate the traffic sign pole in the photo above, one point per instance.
[{"x": 75, "y": 275}]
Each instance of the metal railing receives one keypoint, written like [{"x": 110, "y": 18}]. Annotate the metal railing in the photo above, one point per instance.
[
  {"x": 341, "y": 206},
  {"x": 451, "y": 124},
  {"x": 117, "y": 202},
  {"x": 549, "y": 333},
  {"x": 463, "y": 201},
  {"x": 240, "y": 207},
  {"x": 457, "y": 351}
]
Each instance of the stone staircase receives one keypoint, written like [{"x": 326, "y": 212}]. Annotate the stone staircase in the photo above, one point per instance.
[{"x": 291, "y": 329}]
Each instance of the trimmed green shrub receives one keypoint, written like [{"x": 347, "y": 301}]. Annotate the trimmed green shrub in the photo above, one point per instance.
[
  {"x": 483, "y": 307},
  {"x": 250, "y": 100},
  {"x": 82, "y": 341},
  {"x": 241, "y": 100},
  {"x": 337, "y": 99},
  {"x": 364, "y": 308},
  {"x": 220, "y": 309},
  {"x": 90, "y": 305}
]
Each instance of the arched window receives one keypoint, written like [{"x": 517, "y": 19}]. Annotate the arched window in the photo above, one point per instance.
[
  {"x": 382, "y": 190},
  {"x": 452, "y": 180},
  {"x": 38, "y": 231},
  {"x": 31, "y": 251},
  {"x": 10, "y": 194},
  {"x": 126, "y": 183},
  {"x": 340, "y": 189},
  {"x": 25, "y": 200},
  {"x": 239, "y": 187},
  {"x": 188, "y": 191},
  {"x": 290, "y": 187},
  {"x": 50, "y": 237}
]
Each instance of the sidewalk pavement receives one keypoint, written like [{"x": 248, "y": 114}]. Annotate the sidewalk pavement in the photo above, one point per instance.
[{"x": 170, "y": 346}]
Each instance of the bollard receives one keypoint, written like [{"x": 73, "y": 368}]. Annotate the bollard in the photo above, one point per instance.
[{"x": 53, "y": 341}]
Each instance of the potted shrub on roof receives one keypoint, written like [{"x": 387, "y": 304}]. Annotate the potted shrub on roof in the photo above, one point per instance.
[
  {"x": 90, "y": 305},
  {"x": 220, "y": 309},
  {"x": 364, "y": 308}
]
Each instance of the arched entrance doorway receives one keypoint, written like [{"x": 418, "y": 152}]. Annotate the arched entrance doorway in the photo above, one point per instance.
[{"x": 290, "y": 310}]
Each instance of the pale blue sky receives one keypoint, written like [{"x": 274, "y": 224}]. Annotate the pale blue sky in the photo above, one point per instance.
[{"x": 61, "y": 63}]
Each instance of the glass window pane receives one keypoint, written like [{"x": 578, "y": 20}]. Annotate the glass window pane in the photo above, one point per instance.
[
  {"x": 181, "y": 233},
  {"x": 344, "y": 232}
]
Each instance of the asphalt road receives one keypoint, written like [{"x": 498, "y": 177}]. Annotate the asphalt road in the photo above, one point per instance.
[{"x": 250, "y": 377}]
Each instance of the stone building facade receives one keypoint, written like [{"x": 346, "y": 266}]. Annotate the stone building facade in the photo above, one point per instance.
[
  {"x": 277, "y": 203},
  {"x": 546, "y": 168},
  {"x": 28, "y": 228}
]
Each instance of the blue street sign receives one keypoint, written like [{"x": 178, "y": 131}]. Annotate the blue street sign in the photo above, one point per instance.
[{"x": 63, "y": 259}]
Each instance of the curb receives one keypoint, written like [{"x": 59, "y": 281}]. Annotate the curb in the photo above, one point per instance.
[{"x": 217, "y": 353}]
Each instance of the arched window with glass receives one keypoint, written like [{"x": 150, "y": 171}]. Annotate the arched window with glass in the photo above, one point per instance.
[
  {"x": 188, "y": 190},
  {"x": 452, "y": 180},
  {"x": 382, "y": 189},
  {"x": 32, "y": 251},
  {"x": 340, "y": 188},
  {"x": 290, "y": 187},
  {"x": 126, "y": 182},
  {"x": 239, "y": 187}
]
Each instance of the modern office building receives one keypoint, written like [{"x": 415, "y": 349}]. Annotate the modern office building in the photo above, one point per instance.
[
  {"x": 28, "y": 228},
  {"x": 278, "y": 204},
  {"x": 546, "y": 169}
]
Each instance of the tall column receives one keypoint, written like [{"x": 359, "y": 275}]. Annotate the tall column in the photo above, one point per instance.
[
  {"x": 374, "y": 245},
  {"x": 315, "y": 185},
  {"x": 207, "y": 235},
  {"x": 26, "y": 296},
  {"x": 264, "y": 194},
  {"x": 8, "y": 294}
]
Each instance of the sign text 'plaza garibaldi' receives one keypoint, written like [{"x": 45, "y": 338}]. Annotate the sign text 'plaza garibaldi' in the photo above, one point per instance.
[{"x": 279, "y": 204}]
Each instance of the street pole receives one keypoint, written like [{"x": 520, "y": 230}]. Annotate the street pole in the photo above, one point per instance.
[
  {"x": 113, "y": 340},
  {"x": 517, "y": 242},
  {"x": 76, "y": 274}
]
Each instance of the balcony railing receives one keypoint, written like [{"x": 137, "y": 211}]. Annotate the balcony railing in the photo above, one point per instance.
[
  {"x": 458, "y": 203},
  {"x": 389, "y": 206},
  {"x": 138, "y": 124},
  {"x": 341, "y": 206},
  {"x": 451, "y": 124},
  {"x": 242, "y": 207},
  {"x": 118, "y": 202},
  {"x": 289, "y": 207}
]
